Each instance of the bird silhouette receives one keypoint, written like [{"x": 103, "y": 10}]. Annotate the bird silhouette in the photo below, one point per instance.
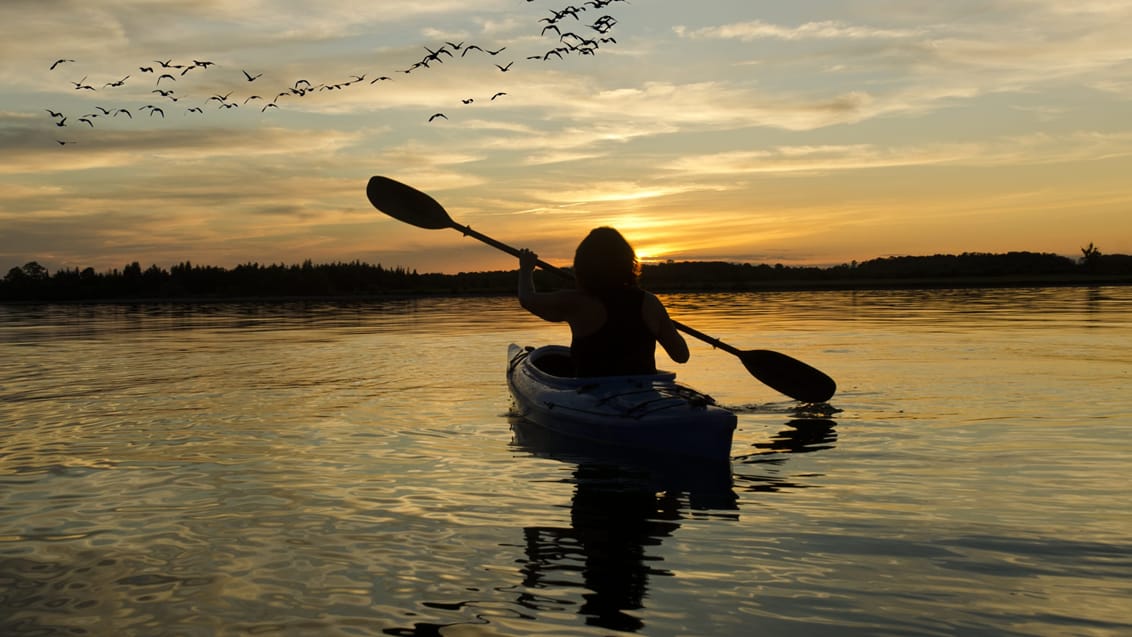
[
  {"x": 64, "y": 142},
  {"x": 568, "y": 43}
]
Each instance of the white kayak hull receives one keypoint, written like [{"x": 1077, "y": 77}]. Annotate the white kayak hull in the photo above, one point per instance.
[{"x": 647, "y": 412}]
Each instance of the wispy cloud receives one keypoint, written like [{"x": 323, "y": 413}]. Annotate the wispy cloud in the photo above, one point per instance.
[{"x": 823, "y": 30}]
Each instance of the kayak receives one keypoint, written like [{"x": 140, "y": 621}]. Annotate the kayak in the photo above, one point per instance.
[{"x": 650, "y": 412}]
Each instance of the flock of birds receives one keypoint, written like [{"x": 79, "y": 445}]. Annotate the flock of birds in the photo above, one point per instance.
[{"x": 573, "y": 35}]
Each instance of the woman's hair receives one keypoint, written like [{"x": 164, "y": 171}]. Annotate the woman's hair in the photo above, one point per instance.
[{"x": 604, "y": 260}]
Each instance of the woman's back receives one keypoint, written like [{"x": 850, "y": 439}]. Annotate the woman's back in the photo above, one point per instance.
[{"x": 622, "y": 345}]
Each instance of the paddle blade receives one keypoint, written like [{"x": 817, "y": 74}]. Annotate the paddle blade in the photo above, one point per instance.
[
  {"x": 789, "y": 375},
  {"x": 407, "y": 204}
]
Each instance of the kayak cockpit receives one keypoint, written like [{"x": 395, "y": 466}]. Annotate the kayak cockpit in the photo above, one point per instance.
[{"x": 554, "y": 361}]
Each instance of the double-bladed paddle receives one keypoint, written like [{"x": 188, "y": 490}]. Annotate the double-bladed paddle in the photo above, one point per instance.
[{"x": 783, "y": 373}]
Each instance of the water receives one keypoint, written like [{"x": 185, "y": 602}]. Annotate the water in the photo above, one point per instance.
[{"x": 350, "y": 469}]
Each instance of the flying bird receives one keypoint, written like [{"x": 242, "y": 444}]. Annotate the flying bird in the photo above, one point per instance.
[
  {"x": 437, "y": 115},
  {"x": 53, "y": 113},
  {"x": 499, "y": 94},
  {"x": 123, "y": 111},
  {"x": 163, "y": 76},
  {"x": 268, "y": 105},
  {"x": 156, "y": 109},
  {"x": 505, "y": 68},
  {"x": 251, "y": 78},
  {"x": 64, "y": 142},
  {"x": 118, "y": 83},
  {"x": 379, "y": 79},
  {"x": 468, "y": 100},
  {"x": 83, "y": 119},
  {"x": 58, "y": 62},
  {"x": 194, "y": 109}
]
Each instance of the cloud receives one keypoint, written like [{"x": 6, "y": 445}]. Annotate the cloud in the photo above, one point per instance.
[
  {"x": 1033, "y": 149},
  {"x": 823, "y": 30}
]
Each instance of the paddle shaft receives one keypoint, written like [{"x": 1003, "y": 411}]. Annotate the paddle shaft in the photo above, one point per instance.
[{"x": 467, "y": 231}]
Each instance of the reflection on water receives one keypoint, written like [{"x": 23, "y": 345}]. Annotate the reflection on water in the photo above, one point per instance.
[
  {"x": 605, "y": 549},
  {"x": 624, "y": 503},
  {"x": 802, "y": 435},
  {"x": 325, "y": 469}
]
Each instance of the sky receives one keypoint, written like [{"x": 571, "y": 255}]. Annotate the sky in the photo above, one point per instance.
[{"x": 804, "y": 133}]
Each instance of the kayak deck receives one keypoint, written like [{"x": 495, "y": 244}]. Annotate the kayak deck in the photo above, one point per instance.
[{"x": 650, "y": 411}]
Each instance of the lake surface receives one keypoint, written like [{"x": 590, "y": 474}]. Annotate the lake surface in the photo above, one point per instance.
[{"x": 351, "y": 469}]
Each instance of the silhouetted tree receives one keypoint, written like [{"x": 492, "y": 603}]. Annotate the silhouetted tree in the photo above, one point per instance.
[{"x": 1091, "y": 258}]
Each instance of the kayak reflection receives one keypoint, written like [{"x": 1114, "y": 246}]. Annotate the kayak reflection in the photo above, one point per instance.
[{"x": 624, "y": 505}]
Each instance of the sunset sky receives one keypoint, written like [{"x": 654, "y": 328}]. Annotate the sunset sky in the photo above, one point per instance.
[{"x": 809, "y": 132}]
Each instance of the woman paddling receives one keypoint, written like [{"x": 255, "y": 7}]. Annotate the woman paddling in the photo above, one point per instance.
[{"x": 614, "y": 324}]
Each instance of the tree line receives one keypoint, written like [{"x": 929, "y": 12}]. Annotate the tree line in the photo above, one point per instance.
[{"x": 33, "y": 282}]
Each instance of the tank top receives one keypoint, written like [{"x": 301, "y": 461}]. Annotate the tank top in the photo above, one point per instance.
[{"x": 623, "y": 345}]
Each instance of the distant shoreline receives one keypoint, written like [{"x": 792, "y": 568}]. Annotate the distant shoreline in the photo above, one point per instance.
[{"x": 919, "y": 283}]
